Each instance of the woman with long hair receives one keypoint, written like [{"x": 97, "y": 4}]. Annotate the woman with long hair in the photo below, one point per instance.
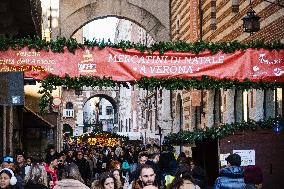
[
  {"x": 183, "y": 181},
  {"x": 118, "y": 177},
  {"x": 106, "y": 181},
  {"x": 36, "y": 178},
  {"x": 71, "y": 178}
]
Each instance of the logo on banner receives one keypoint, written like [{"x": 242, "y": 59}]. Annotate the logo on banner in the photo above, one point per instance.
[
  {"x": 276, "y": 71},
  {"x": 87, "y": 63}
]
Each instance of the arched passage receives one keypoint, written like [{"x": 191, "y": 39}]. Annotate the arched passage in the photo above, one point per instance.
[
  {"x": 100, "y": 111},
  {"x": 152, "y": 16}
]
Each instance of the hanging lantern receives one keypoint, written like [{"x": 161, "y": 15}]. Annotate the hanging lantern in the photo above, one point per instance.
[
  {"x": 251, "y": 21},
  {"x": 277, "y": 126}
]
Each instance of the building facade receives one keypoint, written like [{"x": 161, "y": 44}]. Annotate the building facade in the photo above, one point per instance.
[{"x": 221, "y": 21}]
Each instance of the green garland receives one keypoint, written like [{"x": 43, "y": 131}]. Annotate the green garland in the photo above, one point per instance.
[
  {"x": 52, "y": 81},
  {"x": 59, "y": 44},
  {"x": 218, "y": 131}
]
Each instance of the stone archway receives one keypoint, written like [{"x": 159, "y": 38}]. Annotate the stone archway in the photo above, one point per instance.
[
  {"x": 153, "y": 15},
  {"x": 108, "y": 96}
]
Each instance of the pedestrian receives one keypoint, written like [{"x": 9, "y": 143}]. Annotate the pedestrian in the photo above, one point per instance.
[
  {"x": 84, "y": 167},
  {"x": 9, "y": 162},
  {"x": 51, "y": 153},
  {"x": 231, "y": 176},
  {"x": 71, "y": 179},
  {"x": 121, "y": 182},
  {"x": 184, "y": 181},
  {"x": 52, "y": 171},
  {"x": 142, "y": 159},
  {"x": 36, "y": 178},
  {"x": 7, "y": 179},
  {"x": 106, "y": 181},
  {"x": 20, "y": 163},
  {"x": 253, "y": 177},
  {"x": 147, "y": 177}
]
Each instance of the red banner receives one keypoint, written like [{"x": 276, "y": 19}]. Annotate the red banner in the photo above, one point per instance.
[{"x": 132, "y": 64}]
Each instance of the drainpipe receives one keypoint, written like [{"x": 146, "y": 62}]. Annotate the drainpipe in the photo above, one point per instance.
[{"x": 200, "y": 19}]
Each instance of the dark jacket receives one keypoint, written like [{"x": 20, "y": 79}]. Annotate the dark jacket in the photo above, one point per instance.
[
  {"x": 250, "y": 186},
  {"x": 20, "y": 183},
  {"x": 84, "y": 169},
  {"x": 230, "y": 178},
  {"x": 30, "y": 185}
]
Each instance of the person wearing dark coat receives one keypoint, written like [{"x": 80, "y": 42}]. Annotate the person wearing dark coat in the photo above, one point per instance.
[
  {"x": 51, "y": 154},
  {"x": 84, "y": 167},
  {"x": 231, "y": 176}
]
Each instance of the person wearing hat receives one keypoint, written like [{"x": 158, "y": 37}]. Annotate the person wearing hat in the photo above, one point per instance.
[
  {"x": 9, "y": 163},
  {"x": 232, "y": 176},
  {"x": 7, "y": 179},
  {"x": 20, "y": 163},
  {"x": 253, "y": 177}
]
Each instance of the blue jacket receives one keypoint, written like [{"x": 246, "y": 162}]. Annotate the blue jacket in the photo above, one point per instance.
[{"x": 230, "y": 178}]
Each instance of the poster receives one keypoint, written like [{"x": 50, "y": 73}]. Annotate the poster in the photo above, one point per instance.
[
  {"x": 247, "y": 156},
  {"x": 223, "y": 161}
]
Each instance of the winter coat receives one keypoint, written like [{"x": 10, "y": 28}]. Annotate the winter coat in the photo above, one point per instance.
[
  {"x": 51, "y": 175},
  {"x": 20, "y": 183},
  {"x": 30, "y": 185},
  {"x": 70, "y": 184},
  {"x": 84, "y": 169},
  {"x": 230, "y": 178},
  {"x": 250, "y": 186}
]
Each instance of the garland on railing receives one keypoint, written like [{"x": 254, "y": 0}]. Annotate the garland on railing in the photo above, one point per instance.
[
  {"x": 59, "y": 44},
  {"x": 52, "y": 81},
  {"x": 218, "y": 131}
]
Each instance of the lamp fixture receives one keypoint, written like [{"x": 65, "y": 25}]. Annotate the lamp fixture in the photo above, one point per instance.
[{"x": 251, "y": 21}]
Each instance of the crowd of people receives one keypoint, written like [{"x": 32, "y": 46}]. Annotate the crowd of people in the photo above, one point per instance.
[{"x": 119, "y": 167}]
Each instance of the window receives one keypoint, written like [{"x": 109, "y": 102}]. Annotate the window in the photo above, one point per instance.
[
  {"x": 69, "y": 105},
  {"x": 109, "y": 110},
  {"x": 100, "y": 110}
]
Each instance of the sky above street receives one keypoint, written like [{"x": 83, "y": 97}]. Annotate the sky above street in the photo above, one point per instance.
[{"x": 101, "y": 29}]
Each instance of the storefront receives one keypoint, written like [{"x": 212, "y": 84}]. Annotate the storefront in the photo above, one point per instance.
[{"x": 37, "y": 133}]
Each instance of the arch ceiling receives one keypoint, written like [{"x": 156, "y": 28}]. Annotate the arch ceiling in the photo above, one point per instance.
[{"x": 152, "y": 15}]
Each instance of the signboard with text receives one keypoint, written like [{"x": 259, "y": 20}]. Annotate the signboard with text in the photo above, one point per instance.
[
  {"x": 247, "y": 156},
  {"x": 131, "y": 65}
]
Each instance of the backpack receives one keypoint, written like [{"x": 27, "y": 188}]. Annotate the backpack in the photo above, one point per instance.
[{"x": 125, "y": 165}]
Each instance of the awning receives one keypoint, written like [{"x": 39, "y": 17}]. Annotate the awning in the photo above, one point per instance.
[{"x": 32, "y": 118}]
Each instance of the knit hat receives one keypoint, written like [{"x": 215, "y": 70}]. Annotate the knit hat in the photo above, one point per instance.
[
  {"x": 234, "y": 159},
  {"x": 9, "y": 172},
  {"x": 8, "y": 159},
  {"x": 253, "y": 175}
]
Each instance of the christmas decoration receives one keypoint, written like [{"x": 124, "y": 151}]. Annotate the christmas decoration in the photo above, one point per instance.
[
  {"x": 220, "y": 131},
  {"x": 102, "y": 138}
]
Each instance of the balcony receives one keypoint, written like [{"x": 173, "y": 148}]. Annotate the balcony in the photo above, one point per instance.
[{"x": 68, "y": 113}]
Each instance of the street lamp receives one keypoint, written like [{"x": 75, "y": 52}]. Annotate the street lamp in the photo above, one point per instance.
[{"x": 251, "y": 21}]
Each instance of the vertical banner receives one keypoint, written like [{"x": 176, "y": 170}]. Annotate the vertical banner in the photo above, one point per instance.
[{"x": 193, "y": 20}]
